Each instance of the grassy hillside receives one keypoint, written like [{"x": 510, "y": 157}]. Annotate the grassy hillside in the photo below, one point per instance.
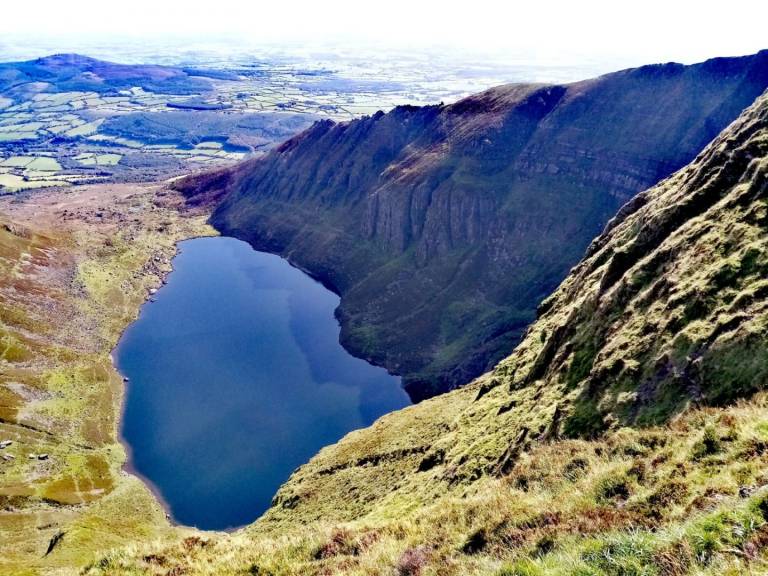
[
  {"x": 443, "y": 227},
  {"x": 75, "y": 266},
  {"x": 626, "y": 435}
]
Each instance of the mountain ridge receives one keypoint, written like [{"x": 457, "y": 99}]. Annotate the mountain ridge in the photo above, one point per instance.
[
  {"x": 600, "y": 335},
  {"x": 464, "y": 217}
]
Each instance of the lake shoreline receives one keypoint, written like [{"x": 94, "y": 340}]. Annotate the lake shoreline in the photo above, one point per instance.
[
  {"x": 128, "y": 466},
  {"x": 221, "y": 301}
]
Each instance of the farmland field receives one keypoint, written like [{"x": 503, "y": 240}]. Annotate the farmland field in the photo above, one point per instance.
[{"x": 67, "y": 119}]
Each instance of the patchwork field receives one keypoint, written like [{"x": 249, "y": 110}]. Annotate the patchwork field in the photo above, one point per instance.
[
  {"x": 64, "y": 138},
  {"x": 105, "y": 122}
]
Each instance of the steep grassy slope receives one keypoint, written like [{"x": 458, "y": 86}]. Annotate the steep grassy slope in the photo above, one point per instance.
[
  {"x": 443, "y": 227},
  {"x": 597, "y": 448}
]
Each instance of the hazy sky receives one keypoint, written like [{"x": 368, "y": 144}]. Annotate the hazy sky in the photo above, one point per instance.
[{"x": 637, "y": 30}]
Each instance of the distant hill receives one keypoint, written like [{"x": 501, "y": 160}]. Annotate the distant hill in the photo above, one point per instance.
[
  {"x": 443, "y": 227},
  {"x": 73, "y": 72}
]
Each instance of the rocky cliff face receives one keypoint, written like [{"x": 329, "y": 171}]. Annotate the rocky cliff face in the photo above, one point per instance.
[
  {"x": 667, "y": 311},
  {"x": 443, "y": 227}
]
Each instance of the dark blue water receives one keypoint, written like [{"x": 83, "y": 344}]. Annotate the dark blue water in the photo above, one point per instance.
[{"x": 236, "y": 378}]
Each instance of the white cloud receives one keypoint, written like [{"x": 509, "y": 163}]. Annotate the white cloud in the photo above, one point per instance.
[{"x": 640, "y": 31}]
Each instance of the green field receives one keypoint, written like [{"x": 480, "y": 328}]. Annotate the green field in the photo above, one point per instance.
[
  {"x": 13, "y": 183},
  {"x": 93, "y": 129},
  {"x": 90, "y": 159},
  {"x": 38, "y": 163}
]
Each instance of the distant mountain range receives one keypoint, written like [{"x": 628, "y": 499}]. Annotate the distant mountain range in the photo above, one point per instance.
[{"x": 443, "y": 227}]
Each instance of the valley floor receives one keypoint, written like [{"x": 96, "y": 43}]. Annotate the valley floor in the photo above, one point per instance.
[{"x": 75, "y": 266}]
